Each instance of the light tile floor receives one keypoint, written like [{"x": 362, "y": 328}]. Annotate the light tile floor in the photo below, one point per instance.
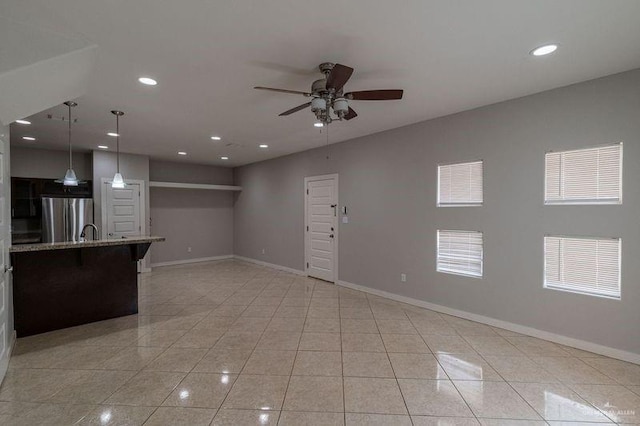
[{"x": 232, "y": 343}]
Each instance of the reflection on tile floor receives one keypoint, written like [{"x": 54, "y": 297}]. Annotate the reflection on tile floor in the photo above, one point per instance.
[{"x": 232, "y": 343}]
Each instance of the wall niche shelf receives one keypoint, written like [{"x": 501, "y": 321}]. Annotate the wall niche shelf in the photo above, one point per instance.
[{"x": 176, "y": 185}]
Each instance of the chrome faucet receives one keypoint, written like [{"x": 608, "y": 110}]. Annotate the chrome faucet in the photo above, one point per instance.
[{"x": 96, "y": 233}]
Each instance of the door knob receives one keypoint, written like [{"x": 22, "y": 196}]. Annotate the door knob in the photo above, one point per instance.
[
  {"x": 8, "y": 269},
  {"x": 330, "y": 235}
]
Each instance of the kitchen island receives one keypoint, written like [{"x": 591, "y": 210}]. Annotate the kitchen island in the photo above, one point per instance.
[{"x": 59, "y": 285}]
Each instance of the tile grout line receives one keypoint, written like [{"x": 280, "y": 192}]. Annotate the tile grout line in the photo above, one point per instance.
[
  {"x": 498, "y": 373},
  {"x": 137, "y": 372},
  {"x": 344, "y": 393},
  {"x": 187, "y": 374},
  {"x": 560, "y": 382},
  {"x": 295, "y": 358},
  {"x": 404, "y": 400},
  {"x": 171, "y": 346},
  {"x": 254, "y": 349},
  {"x": 438, "y": 363}
]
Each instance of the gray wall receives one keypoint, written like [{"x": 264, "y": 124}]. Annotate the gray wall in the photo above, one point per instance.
[
  {"x": 48, "y": 163},
  {"x": 200, "y": 219},
  {"x": 173, "y": 171},
  {"x": 388, "y": 182}
]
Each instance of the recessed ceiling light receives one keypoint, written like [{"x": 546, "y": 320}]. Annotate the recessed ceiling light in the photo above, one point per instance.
[
  {"x": 216, "y": 138},
  {"x": 544, "y": 50},
  {"x": 182, "y": 153},
  {"x": 113, "y": 134},
  {"x": 264, "y": 145},
  {"x": 103, "y": 147},
  {"x": 23, "y": 122},
  {"x": 28, "y": 138},
  {"x": 318, "y": 124},
  {"x": 224, "y": 158},
  {"x": 148, "y": 81}
]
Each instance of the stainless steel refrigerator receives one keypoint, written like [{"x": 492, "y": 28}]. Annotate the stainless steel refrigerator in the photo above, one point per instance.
[{"x": 64, "y": 218}]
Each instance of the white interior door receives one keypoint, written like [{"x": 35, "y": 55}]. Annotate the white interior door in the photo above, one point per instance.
[
  {"x": 6, "y": 327},
  {"x": 122, "y": 210},
  {"x": 321, "y": 222}
]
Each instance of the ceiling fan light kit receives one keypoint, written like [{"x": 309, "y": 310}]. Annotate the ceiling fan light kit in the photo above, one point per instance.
[
  {"x": 318, "y": 104},
  {"x": 327, "y": 95},
  {"x": 340, "y": 106}
]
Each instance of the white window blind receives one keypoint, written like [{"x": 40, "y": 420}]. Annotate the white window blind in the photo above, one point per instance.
[
  {"x": 460, "y": 252},
  {"x": 583, "y": 265},
  {"x": 584, "y": 176},
  {"x": 460, "y": 184}
]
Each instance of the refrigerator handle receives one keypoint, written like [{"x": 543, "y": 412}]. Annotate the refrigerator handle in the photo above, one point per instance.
[{"x": 65, "y": 218}]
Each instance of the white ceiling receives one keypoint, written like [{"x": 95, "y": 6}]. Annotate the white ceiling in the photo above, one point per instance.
[{"x": 447, "y": 55}]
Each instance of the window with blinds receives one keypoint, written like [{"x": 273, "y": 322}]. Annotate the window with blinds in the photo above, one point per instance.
[
  {"x": 460, "y": 252},
  {"x": 583, "y": 265},
  {"x": 460, "y": 184},
  {"x": 584, "y": 176}
]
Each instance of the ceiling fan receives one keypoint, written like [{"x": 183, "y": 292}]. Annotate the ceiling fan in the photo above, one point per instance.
[{"x": 327, "y": 94}]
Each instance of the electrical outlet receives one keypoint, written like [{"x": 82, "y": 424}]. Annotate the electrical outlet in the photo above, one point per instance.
[
  {"x": 188, "y": 249},
  {"x": 264, "y": 251},
  {"x": 403, "y": 278}
]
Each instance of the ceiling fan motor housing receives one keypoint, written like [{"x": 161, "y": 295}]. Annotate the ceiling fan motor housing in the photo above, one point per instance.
[{"x": 319, "y": 86}]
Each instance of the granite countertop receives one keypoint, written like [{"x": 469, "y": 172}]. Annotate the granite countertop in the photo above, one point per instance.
[{"x": 91, "y": 243}]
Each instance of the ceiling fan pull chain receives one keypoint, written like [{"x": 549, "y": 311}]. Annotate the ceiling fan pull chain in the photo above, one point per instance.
[{"x": 327, "y": 146}]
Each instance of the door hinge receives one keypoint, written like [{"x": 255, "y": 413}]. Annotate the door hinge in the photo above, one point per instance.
[
  {"x": 307, "y": 265},
  {"x": 307, "y": 229},
  {"x": 307, "y": 191}
]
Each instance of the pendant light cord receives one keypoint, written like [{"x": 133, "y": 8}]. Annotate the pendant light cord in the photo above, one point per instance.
[
  {"x": 118, "y": 143},
  {"x": 70, "y": 149}
]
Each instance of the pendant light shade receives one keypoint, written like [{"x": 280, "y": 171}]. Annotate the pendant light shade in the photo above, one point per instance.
[
  {"x": 70, "y": 178},
  {"x": 118, "y": 180}
]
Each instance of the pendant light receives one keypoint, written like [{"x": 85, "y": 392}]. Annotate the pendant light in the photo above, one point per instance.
[
  {"x": 70, "y": 178},
  {"x": 118, "y": 181}
]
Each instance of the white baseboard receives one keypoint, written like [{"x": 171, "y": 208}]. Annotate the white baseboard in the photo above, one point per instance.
[
  {"x": 197, "y": 260},
  {"x": 270, "y": 265},
  {"x": 529, "y": 331}
]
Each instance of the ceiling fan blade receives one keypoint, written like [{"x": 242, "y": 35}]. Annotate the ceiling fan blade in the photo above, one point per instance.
[
  {"x": 374, "y": 95},
  {"x": 338, "y": 76},
  {"x": 296, "y": 109},
  {"x": 350, "y": 114},
  {"x": 293, "y": 92}
]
